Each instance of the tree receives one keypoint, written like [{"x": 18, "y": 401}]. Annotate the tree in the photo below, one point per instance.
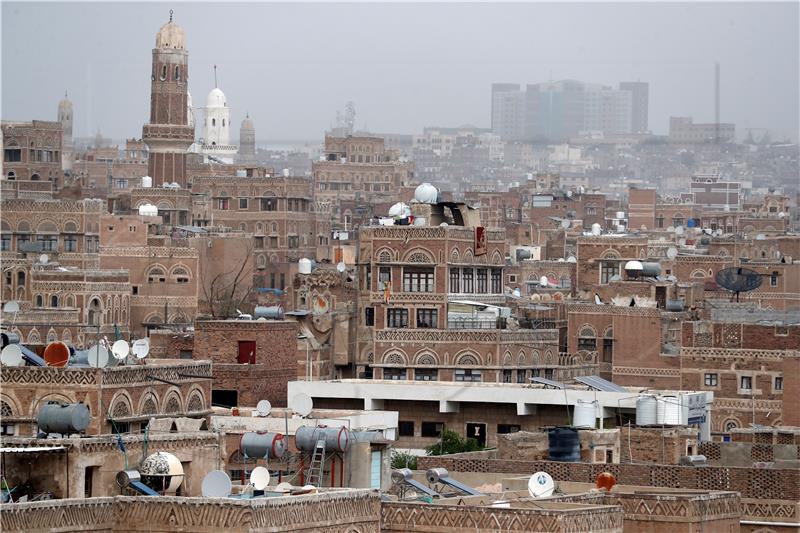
[
  {"x": 452, "y": 442},
  {"x": 403, "y": 460},
  {"x": 227, "y": 283}
]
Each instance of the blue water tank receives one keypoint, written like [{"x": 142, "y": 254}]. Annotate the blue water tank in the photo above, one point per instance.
[{"x": 565, "y": 446}]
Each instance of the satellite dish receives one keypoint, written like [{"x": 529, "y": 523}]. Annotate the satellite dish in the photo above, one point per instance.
[
  {"x": 571, "y": 259},
  {"x": 516, "y": 293},
  {"x": 566, "y": 223},
  {"x": 672, "y": 252},
  {"x": 141, "y": 348},
  {"x": 682, "y": 242},
  {"x": 761, "y": 237},
  {"x": 679, "y": 230},
  {"x": 98, "y": 356},
  {"x": 738, "y": 279},
  {"x": 264, "y": 407},
  {"x": 605, "y": 480},
  {"x": 302, "y": 404},
  {"x": 283, "y": 487},
  {"x": 718, "y": 232},
  {"x": 44, "y": 258},
  {"x": 11, "y": 307},
  {"x": 56, "y": 354},
  {"x": 543, "y": 281},
  {"x": 541, "y": 485},
  {"x": 120, "y": 349},
  {"x": 341, "y": 266},
  {"x": 216, "y": 484},
  {"x": 596, "y": 229},
  {"x": 259, "y": 478},
  {"x": 11, "y": 355}
]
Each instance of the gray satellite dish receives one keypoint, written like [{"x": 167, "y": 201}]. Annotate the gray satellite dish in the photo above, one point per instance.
[
  {"x": 120, "y": 350},
  {"x": 216, "y": 484},
  {"x": 565, "y": 223},
  {"x": 679, "y": 230},
  {"x": 263, "y": 407},
  {"x": 44, "y": 258},
  {"x": 340, "y": 266},
  {"x": 11, "y": 355},
  {"x": 259, "y": 478},
  {"x": 738, "y": 279},
  {"x": 98, "y": 356},
  {"x": 11, "y": 307},
  {"x": 141, "y": 348},
  {"x": 302, "y": 404},
  {"x": 283, "y": 487},
  {"x": 672, "y": 252}
]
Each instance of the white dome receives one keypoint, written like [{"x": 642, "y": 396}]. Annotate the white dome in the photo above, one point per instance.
[
  {"x": 426, "y": 194},
  {"x": 216, "y": 98},
  {"x": 633, "y": 265}
]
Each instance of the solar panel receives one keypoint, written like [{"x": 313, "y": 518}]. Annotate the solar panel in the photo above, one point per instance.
[
  {"x": 548, "y": 382},
  {"x": 598, "y": 383}
]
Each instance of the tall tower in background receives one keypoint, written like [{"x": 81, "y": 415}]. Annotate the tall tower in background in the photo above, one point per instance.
[
  {"x": 168, "y": 134},
  {"x": 247, "y": 140},
  {"x": 65, "y": 115},
  {"x": 639, "y": 104}
]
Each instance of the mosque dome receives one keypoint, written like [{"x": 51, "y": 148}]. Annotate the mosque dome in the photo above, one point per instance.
[
  {"x": 248, "y": 124},
  {"x": 171, "y": 36},
  {"x": 216, "y": 98}
]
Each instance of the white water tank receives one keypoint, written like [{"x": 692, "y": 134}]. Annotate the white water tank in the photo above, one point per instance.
[
  {"x": 400, "y": 210},
  {"x": 148, "y": 210},
  {"x": 426, "y": 194},
  {"x": 596, "y": 229},
  {"x": 285, "y": 172},
  {"x": 669, "y": 410},
  {"x": 147, "y": 181},
  {"x": 620, "y": 215},
  {"x": 585, "y": 414},
  {"x": 304, "y": 266},
  {"x": 646, "y": 411}
]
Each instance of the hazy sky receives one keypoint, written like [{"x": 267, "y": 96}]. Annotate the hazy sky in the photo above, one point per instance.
[{"x": 405, "y": 66}]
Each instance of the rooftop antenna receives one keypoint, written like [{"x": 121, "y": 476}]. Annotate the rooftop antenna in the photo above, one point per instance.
[{"x": 170, "y": 15}]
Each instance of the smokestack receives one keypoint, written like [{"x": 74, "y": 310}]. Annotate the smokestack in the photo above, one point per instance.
[{"x": 716, "y": 103}]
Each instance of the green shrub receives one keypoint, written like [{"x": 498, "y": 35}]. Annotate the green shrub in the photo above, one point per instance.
[
  {"x": 403, "y": 460},
  {"x": 452, "y": 442}
]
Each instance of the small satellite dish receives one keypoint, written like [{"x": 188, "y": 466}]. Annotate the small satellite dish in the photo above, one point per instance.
[
  {"x": 679, "y": 230},
  {"x": 98, "y": 356},
  {"x": 216, "y": 484},
  {"x": 340, "y": 266},
  {"x": 605, "y": 480},
  {"x": 11, "y": 355},
  {"x": 120, "y": 349},
  {"x": 761, "y": 237},
  {"x": 263, "y": 407},
  {"x": 44, "y": 258},
  {"x": 141, "y": 348},
  {"x": 516, "y": 293},
  {"x": 302, "y": 404},
  {"x": 672, "y": 252},
  {"x": 718, "y": 232},
  {"x": 541, "y": 485},
  {"x": 682, "y": 242},
  {"x": 283, "y": 487},
  {"x": 571, "y": 259},
  {"x": 11, "y": 307},
  {"x": 259, "y": 478},
  {"x": 56, "y": 354},
  {"x": 565, "y": 223},
  {"x": 543, "y": 281}
]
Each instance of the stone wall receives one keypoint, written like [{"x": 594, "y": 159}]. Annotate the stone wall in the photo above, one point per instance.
[{"x": 656, "y": 445}]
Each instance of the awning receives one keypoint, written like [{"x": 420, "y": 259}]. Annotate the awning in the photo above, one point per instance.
[{"x": 33, "y": 449}]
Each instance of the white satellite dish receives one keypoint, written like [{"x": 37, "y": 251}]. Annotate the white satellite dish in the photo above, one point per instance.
[
  {"x": 679, "y": 230},
  {"x": 516, "y": 293},
  {"x": 543, "y": 281},
  {"x": 302, "y": 404},
  {"x": 672, "y": 252},
  {"x": 263, "y": 407},
  {"x": 120, "y": 349},
  {"x": 259, "y": 478},
  {"x": 216, "y": 484},
  {"x": 11, "y": 355},
  {"x": 565, "y": 223},
  {"x": 98, "y": 356},
  {"x": 283, "y": 487},
  {"x": 682, "y": 242},
  {"x": 571, "y": 259},
  {"x": 718, "y": 232},
  {"x": 141, "y": 348},
  {"x": 341, "y": 266},
  {"x": 11, "y": 307},
  {"x": 44, "y": 258},
  {"x": 541, "y": 485}
]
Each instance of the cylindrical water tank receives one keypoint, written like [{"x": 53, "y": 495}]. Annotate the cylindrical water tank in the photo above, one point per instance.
[
  {"x": 646, "y": 409},
  {"x": 620, "y": 215},
  {"x": 336, "y": 438},
  {"x": 434, "y": 475},
  {"x": 263, "y": 445},
  {"x": 401, "y": 474},
  {"x": 147, "y": 181},
  {"x": 9, "y": 337},
  {"x": 272, "y": 312},
  {"x": 564, "y": 445},
  {"x": 669, "y": 410},
  {"x": 304, "y": 266},
  {"x": 651, "y": 269},
  {"x": 585, "y": 414},
  {"x": 63, "y": 419},
  {"x": 675, "y": 306},
  {"x": 426, "y": 193}
]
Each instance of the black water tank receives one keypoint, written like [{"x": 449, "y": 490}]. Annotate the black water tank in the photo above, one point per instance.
[{"x": 565, "y": 445}]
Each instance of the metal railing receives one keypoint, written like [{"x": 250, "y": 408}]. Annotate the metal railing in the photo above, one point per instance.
[{"x": 476, "y": 323}]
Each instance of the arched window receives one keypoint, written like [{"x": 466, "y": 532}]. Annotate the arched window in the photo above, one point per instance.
[
  {"x": 587, "y": 339},
  {"x": 94, "y": 315},
  {"x": 39, "y": 301},
  {"x": 54, "y": 301},
  {"x": 12, "y": 175},
  {"x": 213, "y": 122},
  {"x": 177, "y": 73},
  {"x": 156, "y": 275},
  {"x": 35, "y": 177},
  {"x": 163, "y": 72}
]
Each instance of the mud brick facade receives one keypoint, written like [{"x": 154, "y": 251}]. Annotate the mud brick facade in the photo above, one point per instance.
[{"x": 262, "y": 376}]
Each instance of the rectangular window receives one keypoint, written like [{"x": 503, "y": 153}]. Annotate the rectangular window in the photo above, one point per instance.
[
  {"x": 468, "y": 374},
  {"x": 535, "y": 373},
  {"x": 5, "y": 242},
  {"x": 503, "y": 429},
  {"x": 778, "y": 383},
  {"x": 507, "y": 374},
  {"x": 293, "y": 241},
  {"x": 70, "y": 243},
  {"x": 242, "y": 203},
  {"x": 273, "y": 242},
  {"x": 369, "y": 316},
  {"x": 272, "y": 280},
  {"x": 12, "y": 155},
  {"x": 395, "y": 374},
  {"x": 711, "y": 380},
  {"x": 283, "y": 281},
  {"x": 426, "y": 374},
  {"x": 269, "y": 204},
  {"x": 223, "y": 203},
  {"x": 773, "y": 280},
  {"x": 608, "y": 350},
  {"x": 746, "y": 383},
  {"x": 122, "y": 184},
  {"x": 585, "y": 343},
  {"x": 247, "y": 352},
  {"x": 548, "y": 373},
  {"x": 384, "y": 277},
  {"x": 455, "y": 279},
  {"x": 418, "y": 280},
  {"x": 259, "y": 243},
  {"x": 497, "y": 281},
  {"x": 468, "y": 279},
  {"x": 135, "y": 290},
  {"x": 432, "y": 429},
  {"x": 427, "y": 318},
  {"x": 397, "y": 318},
  {"x": 367, "y": 276},
  {"x": 49, "y": 242},
  {"x": 482, "y": 281},
  {"x": 185, "y": 354},
  {"x": 405, "y": 428},
  {"x": 522, "y": 376},
  {"x": 608, "y": 269}
]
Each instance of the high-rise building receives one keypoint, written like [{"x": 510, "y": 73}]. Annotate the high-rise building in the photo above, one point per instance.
[
  {"x": 168, "y": 134},
  {"x": 508, "y": 111},
  {"x": 639, "y": 104}
]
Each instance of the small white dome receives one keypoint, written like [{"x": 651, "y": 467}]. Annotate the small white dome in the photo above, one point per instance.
[
  {"x": 633, "y": 265},
  {"x": 216, "y": 98},
  {"x": 426, "y": 194}
]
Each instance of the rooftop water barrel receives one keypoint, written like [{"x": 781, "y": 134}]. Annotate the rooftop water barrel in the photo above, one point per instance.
[
  {"x": 9, "y": 337},
  {"x": 585, "y": 414},
  {"x": 565, "y": 445},
  {"x": 675, "y": 306},
  {"x": 651, "y": 269},
  {"x": 64, "y": 419},
  {"x": 263, "y": 445},
  {"x": 272, "y": 312},
  {"x": 304, "y": 266},
  {"x": 646, "y": 411},
  {"x": 669, "y": 410},
  {"x": 147, "y": 181},
  {"x": 336, "y": 439}
]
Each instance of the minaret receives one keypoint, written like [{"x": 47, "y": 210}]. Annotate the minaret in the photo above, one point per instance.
[
  {"x": 247, "y": 140},
  {"x": 168, "y": 135},
  {"x": 217, "y": 124},
  {"x": 65, "y": 118}
]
